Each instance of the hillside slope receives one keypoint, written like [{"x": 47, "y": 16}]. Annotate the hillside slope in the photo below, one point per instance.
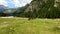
[{"x": 44, "y": 8}]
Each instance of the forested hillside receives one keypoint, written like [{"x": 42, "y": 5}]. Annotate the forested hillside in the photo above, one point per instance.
[{"x": 43, "y": 9}]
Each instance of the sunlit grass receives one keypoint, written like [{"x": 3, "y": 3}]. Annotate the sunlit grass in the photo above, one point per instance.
[{"x": 25, "y": 26}]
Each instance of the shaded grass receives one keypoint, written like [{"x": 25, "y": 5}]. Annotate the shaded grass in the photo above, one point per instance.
[{"x": 25, "y": 26}]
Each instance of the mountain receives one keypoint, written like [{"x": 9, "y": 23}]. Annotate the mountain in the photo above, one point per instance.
[
  {"x": 12, "y": 11},
  {"x": 34, "y": 5},
  {"x": 20, "y": 10},
  {"x": 38, "y": 4},
  {"x": 6, "y": 10},
  {"x": 3, "y": 8},
  {"x": 43, "y": 8}
]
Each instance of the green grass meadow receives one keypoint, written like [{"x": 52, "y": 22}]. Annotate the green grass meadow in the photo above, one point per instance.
[{"x": 24, "y": 26}]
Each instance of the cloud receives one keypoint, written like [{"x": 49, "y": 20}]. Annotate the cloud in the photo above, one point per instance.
[
  {"x": 16, "y": 2},
  {"x": 27, "y": 1},
  {"x": 21, "y": 3},
  {"x": 3, "y": 2},
  {"x": 24, "y": 2}
]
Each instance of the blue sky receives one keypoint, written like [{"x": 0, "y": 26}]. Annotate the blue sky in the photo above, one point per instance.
[
  {"x": 10, "y": 4},
  {"x": 14, "y": 3}
]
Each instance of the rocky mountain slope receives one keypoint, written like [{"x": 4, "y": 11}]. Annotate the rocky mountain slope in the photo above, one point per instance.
[
  {"x": 44, "y": 8},
  {"x": 38, "y": 4}
]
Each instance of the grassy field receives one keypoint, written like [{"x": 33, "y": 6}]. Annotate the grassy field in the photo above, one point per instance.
[{"x": 25, "y": 26}]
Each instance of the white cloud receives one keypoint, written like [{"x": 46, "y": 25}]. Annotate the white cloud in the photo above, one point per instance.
[
  {"x": 23, "y": 3},
  {"x": 3, "y": 2},
  {"x": 16, "y": 2},
  {"x": 27, "y": 1}
]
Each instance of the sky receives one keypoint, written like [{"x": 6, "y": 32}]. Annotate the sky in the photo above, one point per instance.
[{"x": 14, "y": 3}]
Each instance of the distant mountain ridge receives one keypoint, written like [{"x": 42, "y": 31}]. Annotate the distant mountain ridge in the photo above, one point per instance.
[
  {"x": 12, "y": 11},
  {"x": 3, "y": 8}
]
